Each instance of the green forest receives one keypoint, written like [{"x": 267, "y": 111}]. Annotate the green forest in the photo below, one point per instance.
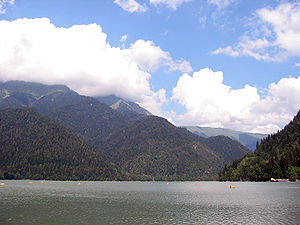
[
  {"x": 62, "y": 135},
  {"x": 278, "y": 156},
  {"x": 35, "y": 147}
]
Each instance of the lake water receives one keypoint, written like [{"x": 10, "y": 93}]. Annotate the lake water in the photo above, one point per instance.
[{"x": 57, "y": 202}]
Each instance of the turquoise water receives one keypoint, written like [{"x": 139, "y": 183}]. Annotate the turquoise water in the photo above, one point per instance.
[{"x": 60, "y": 202}]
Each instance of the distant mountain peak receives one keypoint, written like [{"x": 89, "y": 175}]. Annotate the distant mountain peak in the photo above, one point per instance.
[
  {"x": 245, "y": 138},
  {"x": 128, "y": 108}
]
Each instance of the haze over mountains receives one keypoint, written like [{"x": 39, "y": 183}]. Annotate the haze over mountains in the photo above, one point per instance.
[
  {"x": 139, "y": 145},
  {"x": 247, "y": 139}
]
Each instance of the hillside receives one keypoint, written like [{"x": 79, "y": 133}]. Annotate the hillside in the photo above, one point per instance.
[
  {"x": 85, "y": 116},
  {"x": 226, "y": 148},
  {"x": 35, "y": 147},
  {"x": 249, "y": 140},
  {"x": 144, "y": 148},
  {"x": 154, "y": 148},
  {"x": 128, "y": 108},
  {"x": 14, "y": 94},
  {"x": 278, "y": 156}
]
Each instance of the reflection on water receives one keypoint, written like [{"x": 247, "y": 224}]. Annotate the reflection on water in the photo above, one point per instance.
[{"x": 55, "y": 202}]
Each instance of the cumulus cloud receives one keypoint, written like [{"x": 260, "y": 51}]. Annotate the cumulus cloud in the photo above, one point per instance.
[
  {"x": 80, "y": 57},
  {"x": 209, "y": 102},
  {"x": 4, "y": 4},
  {"x": 155, "y": 102},
  {"x": 173, "y": 4},
  {"x": 275, "y": 37},
  {"x": 150, "y": 57},
  {"x": 130, "y": 6}
]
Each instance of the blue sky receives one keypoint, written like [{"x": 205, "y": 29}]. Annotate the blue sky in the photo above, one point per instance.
[{"x": 230, "y": 63}]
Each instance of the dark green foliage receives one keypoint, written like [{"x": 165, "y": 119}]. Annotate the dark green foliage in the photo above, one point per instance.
[
  {"x": 34, "y": 147},
  {"x": 278, "y": 156},
  {"x": 227, "y": 148},
  {"x": 85, "y": 116},
  {"x": 293, "y": 173},
  {"x": 146, "y": 148},
  {"x": 154, "y": 148}
]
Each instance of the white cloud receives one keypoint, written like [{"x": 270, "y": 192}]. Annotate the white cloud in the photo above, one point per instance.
[
  {"x": 150, "y": 57},
  {"x": 227, "y": 51},
  {"x": 80, "y": 57},
  {"x": 209, "y": 102},
  {"x": 130, "y": 6},
  {"x": 173, "y": 4},
  {"x": 220, "y": 3},
  {"x": 285, "y": 22},
  {"x": 155, "y": 102},
  {"x": 181, "y": 65},
  {"x": 275, "y": 37},
  {"x": 4, "y": 4}
]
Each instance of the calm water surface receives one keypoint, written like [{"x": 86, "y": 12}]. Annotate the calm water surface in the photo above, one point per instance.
[{"x": 56, "y": 202}]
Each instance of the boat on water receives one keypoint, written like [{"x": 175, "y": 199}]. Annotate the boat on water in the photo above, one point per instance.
[{"x": 279, "y": 180}]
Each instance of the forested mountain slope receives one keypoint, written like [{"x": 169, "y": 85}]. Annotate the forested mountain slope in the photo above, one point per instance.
[
  {"x": 85, "y": 116},
  {"x": 154, "y": 148},
  {"x": 278, "y": 156},
  {"x": 35, "y": 147},
  {"x": 144, "y": 148},
  {"x": 226, "y": 148}
]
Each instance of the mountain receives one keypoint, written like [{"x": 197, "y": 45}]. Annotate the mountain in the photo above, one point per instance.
[
  {"x": 35, "y": 147},
  {"x": 128, "y": 108},
  {"x": 85, "y": 116},
  {"x": 249, "y": 140},
  {"x": 278, "y": 156},
  {"x": 154, "y": 148},
  {"x": 226, "y": 148},
  {"x": 144, "y": 148},
  {"x": 14, "y": 94}
]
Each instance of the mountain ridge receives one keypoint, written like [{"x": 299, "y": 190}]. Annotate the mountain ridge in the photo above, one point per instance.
[
  {"x": 247, "y": 139},
  {"x": 139, "y": 140},
  {"x": 128, "y": 108}
]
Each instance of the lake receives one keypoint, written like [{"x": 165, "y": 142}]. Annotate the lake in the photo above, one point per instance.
[{"x": 67, "y": 202}]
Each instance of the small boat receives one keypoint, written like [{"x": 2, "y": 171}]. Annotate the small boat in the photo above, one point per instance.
[
  {"x": 2, "y": 184},
  {"x": 231, "y": 187}
]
